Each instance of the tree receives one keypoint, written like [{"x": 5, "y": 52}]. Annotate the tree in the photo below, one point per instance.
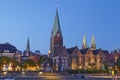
[
  {"x": 15, "y": 63},
  {"x": 28, "y": 63},
  {"x": 41, "y": 60},
  {"x": 7, "y": 60},
  {"x": 118, "y": 63}
]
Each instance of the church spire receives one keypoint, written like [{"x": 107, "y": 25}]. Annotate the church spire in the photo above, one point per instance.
[
  {"x": 56, "y": 25},
  {"x": 56, "y": 40},
  {"x": 84, "y": 45},
  {"x": 93, "y": 44},
  {"x": 28, "y": 45}
]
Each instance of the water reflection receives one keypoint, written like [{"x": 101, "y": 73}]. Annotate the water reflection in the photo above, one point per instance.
[
  {"x": 5, "y": 73},
  {"x": 23, "y": 73}
]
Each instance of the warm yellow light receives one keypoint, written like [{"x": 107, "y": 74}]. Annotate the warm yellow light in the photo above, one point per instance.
[
  {"x": 5, "y": 72},
  {"x": 10, "y": 67},
  {"x": 40, "y": 72},
  {"x": 89, "y": 67},
  {"x": 80, "y": 67},
  {"x": 113, "y": 73},
  {"x": 49, "y": 51}
]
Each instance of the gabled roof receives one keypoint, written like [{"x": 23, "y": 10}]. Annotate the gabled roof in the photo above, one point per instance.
[
  {"x": 70, "y": 50},
  {"x": 105, "y": 51},
  {"x": 84, "y": 51},
  {"x": 56, "y": 25},
  {"x": 64, "y": 52},
  {"x": 95, "y": 52}
]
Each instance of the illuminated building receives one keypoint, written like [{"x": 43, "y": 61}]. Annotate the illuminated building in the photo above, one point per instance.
[
  {"x": 74, "y": 58},
  {"x": 10, "y": 51}
]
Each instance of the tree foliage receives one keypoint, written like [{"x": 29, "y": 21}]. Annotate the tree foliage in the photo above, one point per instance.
[
  {"x": 41, "y": 60},
  {"x": 118, "y": 63},
  {"x": 28, "y": 63},
  {"x": 7, "y": 60}
]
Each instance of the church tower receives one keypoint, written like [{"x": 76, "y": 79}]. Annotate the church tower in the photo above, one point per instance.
[
  {"x": 84, "y": 45},
  {"x": 56, "y": 40},
  {"x": 93, "y": 44},
  {"x": 28, "y": 47}
]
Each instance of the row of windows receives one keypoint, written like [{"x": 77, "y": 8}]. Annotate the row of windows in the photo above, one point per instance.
[{"x": 8, "y": 55}]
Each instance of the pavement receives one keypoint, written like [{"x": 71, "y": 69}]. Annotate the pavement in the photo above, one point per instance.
[{"x": 53, "y": 76}]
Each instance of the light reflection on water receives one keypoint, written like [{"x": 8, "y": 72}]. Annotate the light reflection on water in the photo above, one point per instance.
[
  {"x": 5, "y": 72},
  {"x": 23, "y": 73}
]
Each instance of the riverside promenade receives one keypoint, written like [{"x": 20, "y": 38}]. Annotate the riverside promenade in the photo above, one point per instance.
[{"x": 36, "y": 75}]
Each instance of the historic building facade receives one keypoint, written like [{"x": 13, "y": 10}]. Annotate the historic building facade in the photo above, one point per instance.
[
  {"x": 10, "y": 51},
  {"x": 74, "y": 58},
  {"x": 28, "y": 54}
]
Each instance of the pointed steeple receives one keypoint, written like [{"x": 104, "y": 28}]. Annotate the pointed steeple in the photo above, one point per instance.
[
  {"x": 28, "y": 45},
  {"x": 93, "y": 44},
  {"x": 56, "y": 25},
  {"x": 84, "y": 45},
  {"x": 56, "y": 40}
]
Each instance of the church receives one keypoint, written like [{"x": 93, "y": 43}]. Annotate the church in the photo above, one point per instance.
[{"x": 74, "y": 58}]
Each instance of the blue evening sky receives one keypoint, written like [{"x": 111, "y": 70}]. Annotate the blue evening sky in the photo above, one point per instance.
[{"x": 34, "y": 18}]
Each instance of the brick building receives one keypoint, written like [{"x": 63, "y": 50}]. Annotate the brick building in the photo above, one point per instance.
[{"x": 75, "y": 58}]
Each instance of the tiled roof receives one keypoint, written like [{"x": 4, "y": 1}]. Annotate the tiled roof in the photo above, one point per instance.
[
  {"x": 83, "y": 51},
  {"x": 105, "y": 51},
  {"x": 70, "y": 50},
  {"x": 7, "y": 48},
  {"x": 95, "y": 52}
]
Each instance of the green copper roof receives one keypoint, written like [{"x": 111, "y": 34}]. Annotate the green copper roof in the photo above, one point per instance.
[
  {"x": 56, "y": 25},
  {"x": 28, "y": 45}
]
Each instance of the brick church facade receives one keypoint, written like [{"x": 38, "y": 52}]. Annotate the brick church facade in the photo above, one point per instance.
[{"x": 74, "y": 58}]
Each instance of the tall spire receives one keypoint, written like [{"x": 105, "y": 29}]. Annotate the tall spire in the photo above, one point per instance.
[
  {"x": 28, "y": 45},
  {"x": 93, "y": 44},
  {"x": 56, "y": 25},
  {"x": 84, "y": 45},
  {"x": 56, "y": 40}
]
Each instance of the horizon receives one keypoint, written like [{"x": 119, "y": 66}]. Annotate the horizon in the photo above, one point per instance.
[{"x": 20, "y": 19}]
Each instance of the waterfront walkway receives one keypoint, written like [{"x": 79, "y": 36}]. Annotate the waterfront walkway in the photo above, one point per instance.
[{"x": 54, "y": 76}]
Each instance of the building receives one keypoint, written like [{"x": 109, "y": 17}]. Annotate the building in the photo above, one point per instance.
[
  {"x": 56, "y": 40},
  {"x": 74, "y": 58},
  {"x": 9, "y": 50},
  {"x": 28, "y": 54},
  {"x": 8, "y": 53}
]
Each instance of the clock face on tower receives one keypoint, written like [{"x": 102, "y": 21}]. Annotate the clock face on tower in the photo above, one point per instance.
[{"x": 58, "y": 34}]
